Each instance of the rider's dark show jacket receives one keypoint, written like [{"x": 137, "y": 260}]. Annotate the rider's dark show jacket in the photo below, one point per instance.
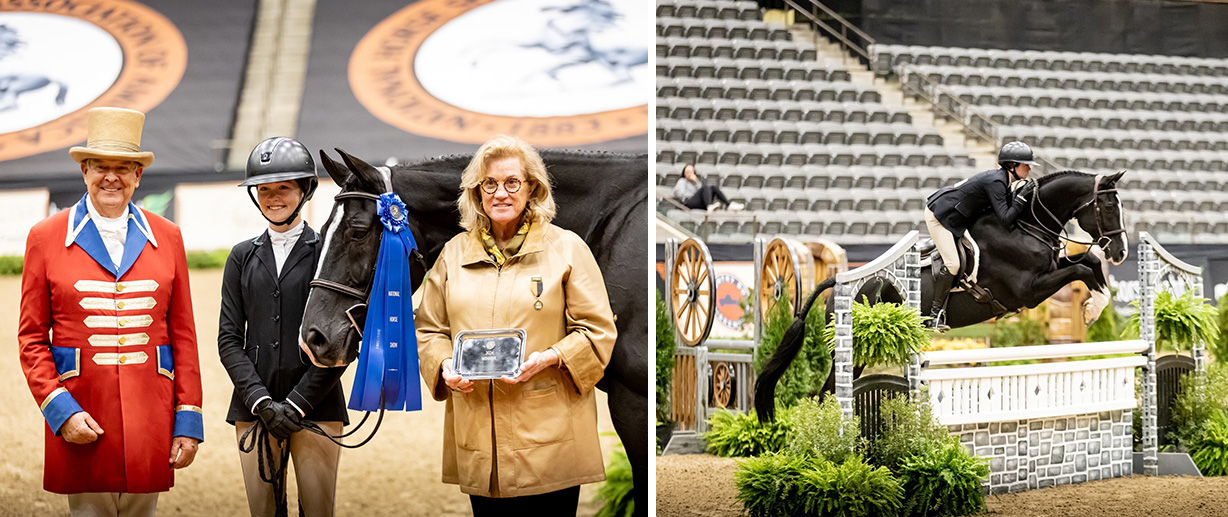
[
  {"x": 258, "y": 332},
  {"x": 960, "y": 205}
]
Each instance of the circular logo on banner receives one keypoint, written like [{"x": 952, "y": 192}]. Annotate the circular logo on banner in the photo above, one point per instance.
[
  {"x": 58, "y": 59},
  {"x": 730, "y": 291},
  {"x": 554, "y": 72}
]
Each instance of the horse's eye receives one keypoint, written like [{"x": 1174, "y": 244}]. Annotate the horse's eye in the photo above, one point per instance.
[{"x": 358, "y": 234}]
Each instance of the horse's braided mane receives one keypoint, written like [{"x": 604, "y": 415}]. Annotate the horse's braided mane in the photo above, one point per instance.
[{"x": 1061, "y": 174}]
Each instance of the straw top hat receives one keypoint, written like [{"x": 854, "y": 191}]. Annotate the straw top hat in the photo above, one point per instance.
[{"x": 113, "y": 133}]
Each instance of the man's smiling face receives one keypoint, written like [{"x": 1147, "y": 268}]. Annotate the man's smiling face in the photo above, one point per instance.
[{"x": 110, "y": 184}]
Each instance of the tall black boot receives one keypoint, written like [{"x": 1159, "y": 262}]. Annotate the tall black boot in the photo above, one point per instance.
[{"x": 942, "y": 289}]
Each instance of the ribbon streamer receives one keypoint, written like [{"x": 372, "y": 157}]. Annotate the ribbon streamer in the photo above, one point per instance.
[{"x": 388, "y": 363}]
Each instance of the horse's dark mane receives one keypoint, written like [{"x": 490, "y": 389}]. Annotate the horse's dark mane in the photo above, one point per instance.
[{"x": 1043, "y": 180}]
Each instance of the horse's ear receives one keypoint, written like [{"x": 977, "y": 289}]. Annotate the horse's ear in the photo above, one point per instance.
[
  {"x": 367, "y": 174},
  {"x": 336, "y": 170},
  {"x": 1110, "y": 181}
]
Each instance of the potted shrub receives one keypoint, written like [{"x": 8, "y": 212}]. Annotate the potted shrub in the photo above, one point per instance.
[
  {"x": 883, "y": 334},
  {"x": 1180, "y": 322}
]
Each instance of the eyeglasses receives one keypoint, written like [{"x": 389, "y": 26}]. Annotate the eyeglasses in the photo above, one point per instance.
[{"x": 511, "y": 185}]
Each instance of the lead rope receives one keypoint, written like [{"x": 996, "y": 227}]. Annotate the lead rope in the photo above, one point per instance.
[{"x": 270, "y": 472}]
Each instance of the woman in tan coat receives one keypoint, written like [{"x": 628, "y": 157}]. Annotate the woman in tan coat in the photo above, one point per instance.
[{"x": 525, "y": 443}]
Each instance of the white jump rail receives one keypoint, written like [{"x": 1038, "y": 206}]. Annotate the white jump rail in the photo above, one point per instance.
[
  {"x": 1019, "y": 392},
  {"x": 1016, "y": 353}
]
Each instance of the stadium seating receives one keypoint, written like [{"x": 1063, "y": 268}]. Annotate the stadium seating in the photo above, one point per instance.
[
  {"x": 1162, "y": 118},
  {"x": 786, "y": 133}
]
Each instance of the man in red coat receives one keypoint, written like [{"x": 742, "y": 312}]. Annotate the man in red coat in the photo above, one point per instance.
[{"x": 106, "y": 335}]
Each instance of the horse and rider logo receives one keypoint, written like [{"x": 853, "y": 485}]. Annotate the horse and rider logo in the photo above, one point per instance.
[
  {"x": 59, "y": 59},
  {"x": 556, "y": 72}
]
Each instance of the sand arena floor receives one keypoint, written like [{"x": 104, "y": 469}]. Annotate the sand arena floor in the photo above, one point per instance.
[{"x": 402, "y": 460}]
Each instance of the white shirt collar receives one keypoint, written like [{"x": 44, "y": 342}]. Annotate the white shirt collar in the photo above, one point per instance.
[{"x": 287, "y": 237}]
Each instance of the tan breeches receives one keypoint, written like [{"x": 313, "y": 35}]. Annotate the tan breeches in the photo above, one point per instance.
[
  {"x": 112, "y": 504},
  {"x": 944, "y": 241},
  {"x": 315, "y": 461}
]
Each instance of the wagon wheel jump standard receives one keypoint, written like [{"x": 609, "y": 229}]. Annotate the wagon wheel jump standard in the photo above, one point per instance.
[
  {"x": 693, "y": 292},
  {"x": 787, "y": 269}
]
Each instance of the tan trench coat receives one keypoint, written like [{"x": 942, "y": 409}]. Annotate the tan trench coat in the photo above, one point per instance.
[{"x": 544, "y": 433}]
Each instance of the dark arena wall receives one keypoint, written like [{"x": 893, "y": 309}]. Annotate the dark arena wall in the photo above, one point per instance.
[{"x": 1190, "y": 28}]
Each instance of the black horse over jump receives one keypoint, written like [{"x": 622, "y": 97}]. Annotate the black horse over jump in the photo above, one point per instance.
[
  {"x": 601, "y": 197},
  {"x": 1020, "y": 265}
]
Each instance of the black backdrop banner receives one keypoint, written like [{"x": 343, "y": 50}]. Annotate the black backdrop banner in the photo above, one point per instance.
[
  {"x": 1111, "y": 26},
  {"x": 185, "y": 129}
]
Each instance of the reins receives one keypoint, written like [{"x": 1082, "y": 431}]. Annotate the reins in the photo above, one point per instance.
[{"x": 1103, "y": 240}]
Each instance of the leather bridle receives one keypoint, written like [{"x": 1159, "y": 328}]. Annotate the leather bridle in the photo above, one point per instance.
[
  {"x": 1104, "y": 239},
  {"x": 337, "y": 287}
]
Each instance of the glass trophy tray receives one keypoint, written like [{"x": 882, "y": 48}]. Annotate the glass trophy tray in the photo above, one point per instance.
[{"x": 488, "y": 354}]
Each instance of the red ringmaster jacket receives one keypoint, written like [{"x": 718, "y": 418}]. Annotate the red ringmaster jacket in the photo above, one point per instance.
[{"x": 118, "y": 343}]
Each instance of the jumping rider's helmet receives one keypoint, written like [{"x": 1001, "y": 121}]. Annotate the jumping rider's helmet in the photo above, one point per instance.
[
  {"x": 1015, "y": 152},
  {"x": 281, "y": 159}
]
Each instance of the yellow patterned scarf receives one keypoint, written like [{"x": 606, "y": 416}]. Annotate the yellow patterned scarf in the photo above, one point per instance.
[{"x": 513, "y": 246}]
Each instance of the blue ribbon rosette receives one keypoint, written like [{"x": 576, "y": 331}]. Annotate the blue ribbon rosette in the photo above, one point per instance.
[{"x": 388, "y": 364}]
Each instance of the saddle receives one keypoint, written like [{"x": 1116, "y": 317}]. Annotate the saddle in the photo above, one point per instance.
[{"x": 969, "y": 265}]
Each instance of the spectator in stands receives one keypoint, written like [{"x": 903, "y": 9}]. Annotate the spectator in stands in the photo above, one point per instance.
[
  {"x": 106, "y": 335},
  {"x": 952, "y": 210},
  {"x": 264, "y": 292},
  {"x": 694, "y": 193}
]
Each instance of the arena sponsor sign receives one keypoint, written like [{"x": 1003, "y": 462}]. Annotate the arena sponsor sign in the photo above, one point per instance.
[
  {"x": 555, "y": 72},
  {"x": 58, "y": 59}
]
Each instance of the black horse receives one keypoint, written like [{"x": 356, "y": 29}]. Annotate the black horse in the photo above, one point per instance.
[
  {"x": 1021, "y": 266},
  {"x": 601, "y": 197}
]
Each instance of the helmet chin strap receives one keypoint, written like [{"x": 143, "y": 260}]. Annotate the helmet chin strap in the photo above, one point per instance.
[{"x": 1012, "y": 171}]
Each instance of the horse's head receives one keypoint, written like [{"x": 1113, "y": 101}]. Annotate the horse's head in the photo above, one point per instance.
[
  {"x": 337, "y": 305},
  {"x": 1091, "y": 200},
  {"x": 1101, "y": 217}
]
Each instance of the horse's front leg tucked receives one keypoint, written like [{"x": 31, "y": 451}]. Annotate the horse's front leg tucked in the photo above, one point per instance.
[
  {"x": 1099, "y": 289},
  {"x": 1046, "y": 284}
]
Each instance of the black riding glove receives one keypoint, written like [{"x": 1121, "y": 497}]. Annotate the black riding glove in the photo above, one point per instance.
[
  {"x": 1024, "y": 192},
  {"x": 279, "y": 418}
]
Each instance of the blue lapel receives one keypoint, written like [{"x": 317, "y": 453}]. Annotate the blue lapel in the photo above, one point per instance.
[
  {"x": 83, "y": 232},
  {"x": 87, "y": 236},
  {"x": 134, "y": 242}
]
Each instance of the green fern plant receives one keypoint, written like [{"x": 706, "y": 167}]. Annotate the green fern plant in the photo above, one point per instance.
[
  {"x": 768, "y": 485},
  {"x": 731, "y": 434},
  {"x": 616, "y": 490},
  {"x": 820, "y": 430},
  {"x": 1180, "y": 322},
  {"x": 851, "y": 487},
  {"x": 1210, "y": 450},
  {"x": 883, "y": 334},
  {"x": 944, "y": 480}
]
